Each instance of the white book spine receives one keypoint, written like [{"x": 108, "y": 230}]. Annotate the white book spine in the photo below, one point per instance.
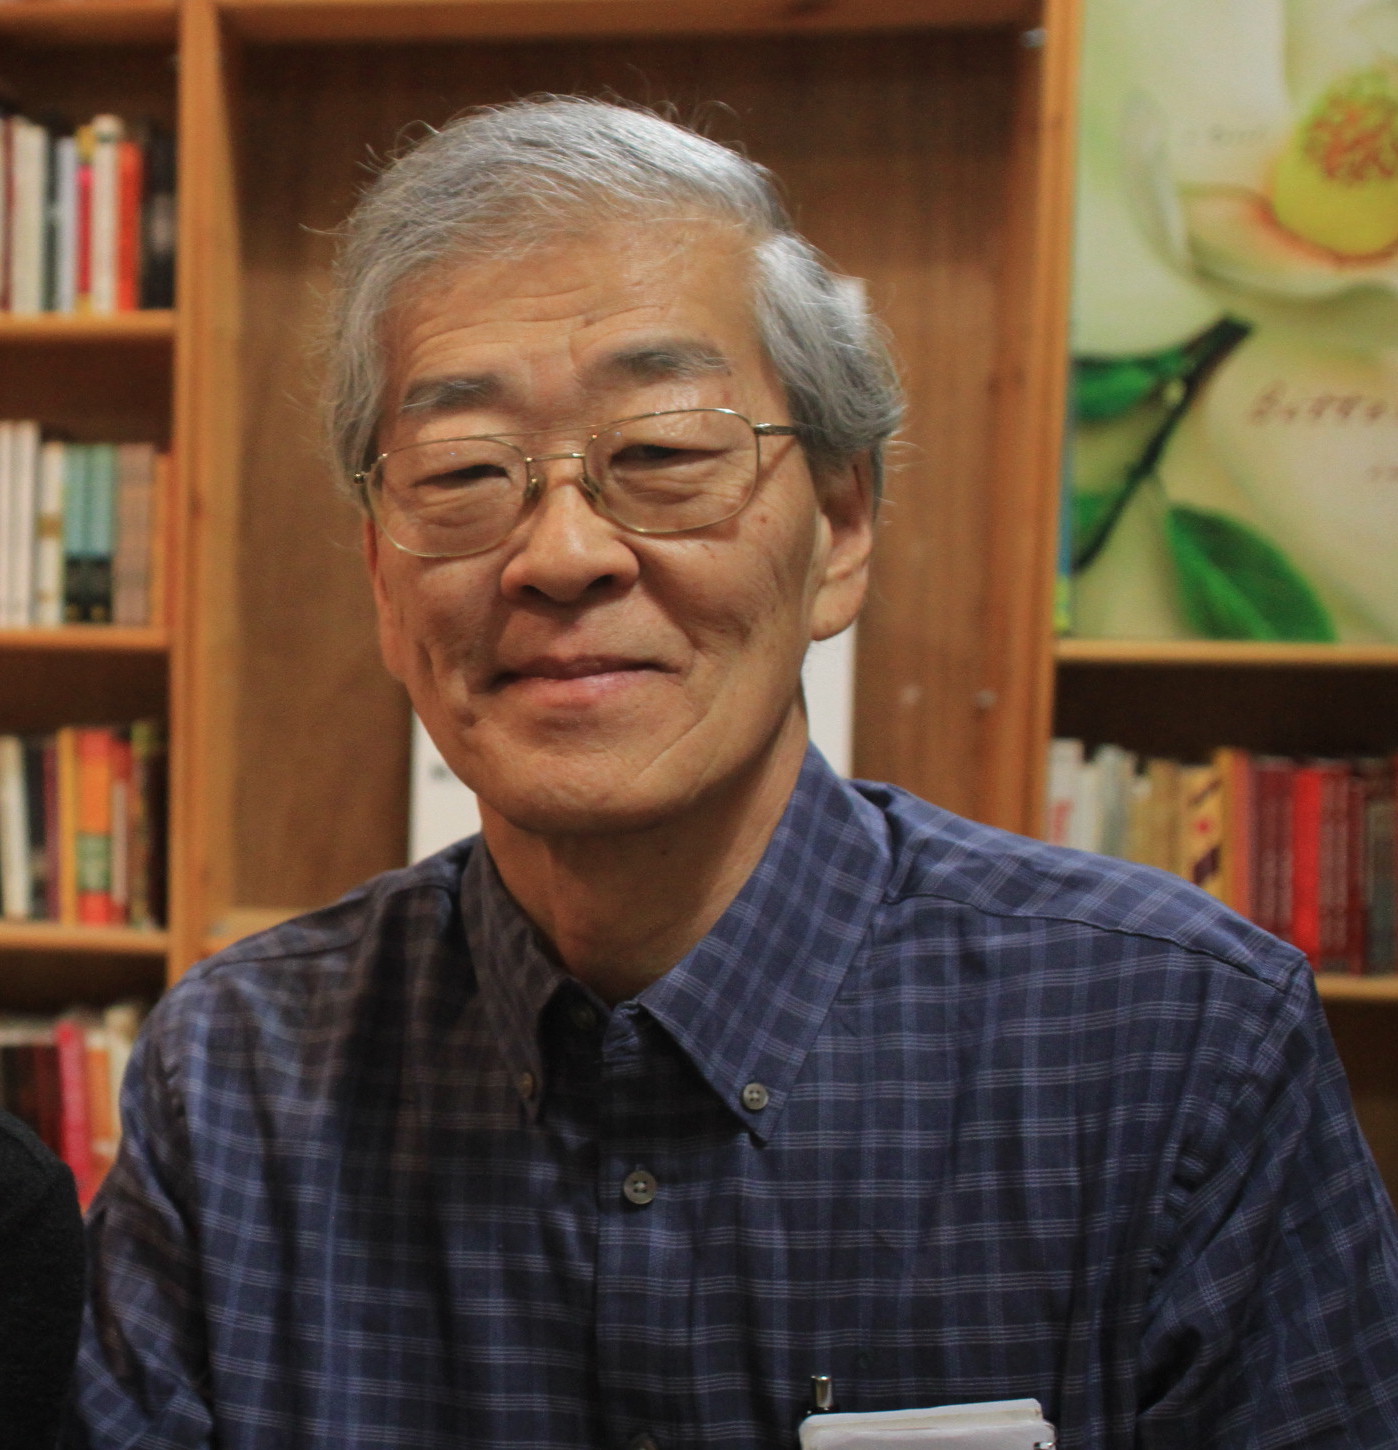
[
  {"x": 66, "y": 252},
  {"x": 106, "y": 204},
  {"x": 24, "y": 501},
  {"x": 8, "y": 544},
  {"x": 14, "y": 832},
  {"x": 29, "y": 152},
  {"x": 48, "y": 538}
]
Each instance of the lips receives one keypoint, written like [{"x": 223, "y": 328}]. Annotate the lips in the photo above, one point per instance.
[{"x": 580, "y": 667}]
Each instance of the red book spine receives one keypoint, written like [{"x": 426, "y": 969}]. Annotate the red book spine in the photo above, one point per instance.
[
  {"x": 75, "y": 1123},
  {"x": 83, "y": 290},
  {"x": 130, "y": 189},
  {"x": 1356, "y": 887},
  {"x": 1334, "y": 865},
  {"x": 47, "y": 1121},
  {"x": 1306, "y": 812}
]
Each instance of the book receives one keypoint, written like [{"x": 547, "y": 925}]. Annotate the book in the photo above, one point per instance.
[
  {"x": 94, "y": 748},
  {"x": 16, "y": 887},
  {"x": 131, "y": 559},
  {"x": 101, "y": 524},
  {"x": 108, "y": 132},
  {"x": 21, "y": 522},
  {"x": 1201, "y": 827},
  {"x": 75, "y": 1124}
]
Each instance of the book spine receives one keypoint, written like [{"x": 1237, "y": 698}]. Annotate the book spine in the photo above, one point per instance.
[
  {"x": 66, "y": 250},
  {"x": 16, "y": 890},
  {"x": 131, "y": 200},
  {"x": 131, "y": 561},
  {"x": 48, "y": 538},
  {"x": 102, "y": 485},
  {"x": 9, "y": 545},
  {"x": 107, "y": 133},
  {"x": 48, "y": 1093},
  {"x": 94, "y": 837},
  {"x": 75, "y": 532},
  {"x": 36, "y": 808},
  {"x": 24, "y": 501},
  {"x": 53, "y": 833},
  {"x": 66, "y": 753},
  {"x": 1307, "y": 808},
  {"x": 121, "y": 826},
  {"x": 82, "y": 240},
  {"x": 75, "y": 1130},
  {"x": 101, "y": 1103}
]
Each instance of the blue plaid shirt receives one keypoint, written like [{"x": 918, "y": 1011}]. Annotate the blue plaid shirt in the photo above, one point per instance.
[{"x": 942, "y": 1112}]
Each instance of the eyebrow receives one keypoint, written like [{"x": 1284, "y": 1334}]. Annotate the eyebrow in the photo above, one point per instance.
[{"x": 675, "y": 360}]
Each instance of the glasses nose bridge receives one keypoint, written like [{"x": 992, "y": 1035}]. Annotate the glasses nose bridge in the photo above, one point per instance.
[{"x": 538, "y": 477}]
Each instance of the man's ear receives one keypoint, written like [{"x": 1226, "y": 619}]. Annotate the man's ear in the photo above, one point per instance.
[
  {"x": 847, "y": 504},
  {"x": 390, "y": 637}
]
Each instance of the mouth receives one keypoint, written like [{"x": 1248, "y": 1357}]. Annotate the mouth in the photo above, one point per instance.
[{"x": 596, "y": 668}]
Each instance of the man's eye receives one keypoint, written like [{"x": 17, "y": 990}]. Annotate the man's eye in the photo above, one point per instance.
[
  {"x": 658, "y": 455},
  {"x": 466, "y": 476}
]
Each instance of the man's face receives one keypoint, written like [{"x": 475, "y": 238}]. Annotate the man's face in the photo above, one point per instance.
[{"x": 578, "y": 677}]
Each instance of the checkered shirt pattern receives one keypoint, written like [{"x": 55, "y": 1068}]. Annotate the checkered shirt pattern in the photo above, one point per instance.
[{"x": 947, "y": 1114}]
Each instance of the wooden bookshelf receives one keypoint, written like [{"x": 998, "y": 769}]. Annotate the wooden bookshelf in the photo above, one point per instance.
[
  {"x": 1229, "y": 654},
  {"x": 71, "y": 639},
  {"x": 154, "y": 325},
  {"x": 57, "y": 937}
]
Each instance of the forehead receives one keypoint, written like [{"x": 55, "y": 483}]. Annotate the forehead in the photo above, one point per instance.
[{"x": 619, "y": 309}]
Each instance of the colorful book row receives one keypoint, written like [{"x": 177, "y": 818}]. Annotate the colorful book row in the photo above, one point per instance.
[
  {"x": 63, "y": 1076},
  {"x": 87, "y": 216},
  {"x": 80, "y": 530},
  {"x": 83, "y": 825},
  {"x": 1305, "y": 848}
]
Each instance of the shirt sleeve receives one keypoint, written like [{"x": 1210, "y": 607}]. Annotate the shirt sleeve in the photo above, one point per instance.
[
  {"x": 142, "y": 1363},
  {"x": 1273, "y": 1320}
]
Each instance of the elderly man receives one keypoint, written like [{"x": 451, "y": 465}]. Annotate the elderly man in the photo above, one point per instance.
[{"x": 700, "y": 1071}]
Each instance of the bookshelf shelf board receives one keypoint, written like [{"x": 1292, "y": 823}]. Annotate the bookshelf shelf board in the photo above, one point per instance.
[
  {"x": 151, "y": 325},
  {"x": 350, "y": 20},
  {"x": 1336, "y": 987},
  {"x": 52, "y": 936},
  {"x": 86, "y": 639},
  {"x": 1230, "y": 653},
  {"x": 89, "y": 22}
]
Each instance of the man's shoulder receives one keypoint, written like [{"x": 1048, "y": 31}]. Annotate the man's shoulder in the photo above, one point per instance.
[
  {"x": 947, "y": 863},
  {"x": 372, "y": 929}
]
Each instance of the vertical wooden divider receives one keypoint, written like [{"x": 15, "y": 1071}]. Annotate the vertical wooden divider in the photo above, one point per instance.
[
  {"x": 1016, "y": 697},
  {"x": 208, "y": 434}
]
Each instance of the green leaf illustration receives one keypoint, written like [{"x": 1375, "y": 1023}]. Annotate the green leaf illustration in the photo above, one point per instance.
[
  {"x": 1106, "y": 388},
  {"x": 1093, "y": 514},
  {"x": 1238, "y": 585}
]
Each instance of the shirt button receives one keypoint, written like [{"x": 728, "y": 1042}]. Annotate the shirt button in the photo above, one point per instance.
[
  {"x": 643, "y": 1441},
  {"x": 639, "y": 1187},
  {"x": 755, "y": 1097},
  {"x": 527, "y": 1085},
  {"x": 583, "y": 1016}
]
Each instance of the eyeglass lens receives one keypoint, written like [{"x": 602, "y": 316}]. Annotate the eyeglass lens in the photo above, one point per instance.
[{"x": 663, "y": 474}]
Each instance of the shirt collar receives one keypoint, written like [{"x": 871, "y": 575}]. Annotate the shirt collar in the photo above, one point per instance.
[{"x": 746, "y": 1003}]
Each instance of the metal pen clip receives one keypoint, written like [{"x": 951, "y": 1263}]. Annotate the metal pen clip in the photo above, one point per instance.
[{"x": 822, "y": 1401}]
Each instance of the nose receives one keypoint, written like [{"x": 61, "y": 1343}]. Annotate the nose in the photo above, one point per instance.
[{"x": 565, "y": 551}]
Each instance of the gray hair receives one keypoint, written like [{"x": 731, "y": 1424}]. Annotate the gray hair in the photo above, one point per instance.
[{"x": 500, "y": 180}]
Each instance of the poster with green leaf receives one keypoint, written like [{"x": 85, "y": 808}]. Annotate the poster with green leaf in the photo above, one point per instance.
[{"x": 1233, "y": 462}]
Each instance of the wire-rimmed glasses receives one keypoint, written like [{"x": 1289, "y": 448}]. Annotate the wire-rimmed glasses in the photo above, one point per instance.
[{"x": 657, "y": 473}]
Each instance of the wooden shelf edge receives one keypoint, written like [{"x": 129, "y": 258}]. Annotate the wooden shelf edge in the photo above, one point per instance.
[
  {"x": 1336, "y": 987},
  {"x": 148, "y": 325},
  {"x": 1182, "y": 652},
  {"x": 90, "y": 22},
  {"x": 86, "y": 639},
  {"x": 357, "y": 20},
  {"x": 52, "y": 936}
]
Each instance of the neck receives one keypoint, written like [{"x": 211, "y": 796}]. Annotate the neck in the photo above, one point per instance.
[{"x": 621, "y": 908}]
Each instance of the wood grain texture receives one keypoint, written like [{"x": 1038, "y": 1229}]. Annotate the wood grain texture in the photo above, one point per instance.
[
  {"x": 1186, "y": 710},
  {"x": 1364, "y": 1033},
  {"x": 912, "y": 126},
  {"x": 408, "y": 20}
]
